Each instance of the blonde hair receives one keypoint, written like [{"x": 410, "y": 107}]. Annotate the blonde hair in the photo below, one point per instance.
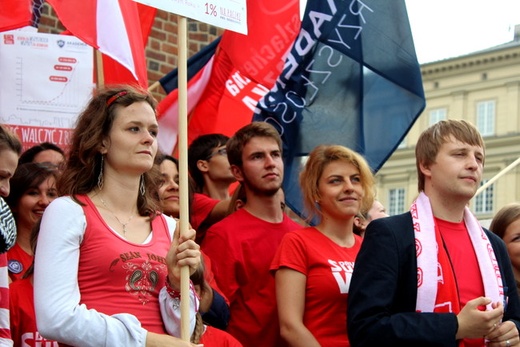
[{"x": 318, "y": 159}]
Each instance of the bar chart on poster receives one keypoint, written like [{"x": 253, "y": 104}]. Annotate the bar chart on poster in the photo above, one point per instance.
[{"x": 46, "y": 82}]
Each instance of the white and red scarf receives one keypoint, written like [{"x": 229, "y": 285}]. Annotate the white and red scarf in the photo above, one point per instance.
[{"x": 436, "y": 286}]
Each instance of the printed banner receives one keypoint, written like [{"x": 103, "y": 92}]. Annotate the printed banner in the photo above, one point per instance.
[
  {"x": 46, "y": 82},
  {"x": 227, "y": 14}
]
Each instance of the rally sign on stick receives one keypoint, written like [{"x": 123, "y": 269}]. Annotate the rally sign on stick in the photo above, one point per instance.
[{"x": 229, "y": 15}]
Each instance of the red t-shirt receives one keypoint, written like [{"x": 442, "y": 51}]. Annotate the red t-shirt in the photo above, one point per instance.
[
  {"x": 18, "y": 261},
  {"x": 465, "y": 265},
  {"x": 241, "y": 248},
  {"x": 214, "y": 337},
  {"x": 328, "y": 268},
  {"x": 202, "y": 206},
  {"x": 23, "y": 320}
]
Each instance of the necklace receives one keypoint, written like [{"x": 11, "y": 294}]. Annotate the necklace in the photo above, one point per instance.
[{"x": 113, "y": 214}]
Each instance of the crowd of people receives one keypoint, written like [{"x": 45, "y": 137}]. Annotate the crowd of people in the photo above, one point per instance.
[{"x": 91, "y": 252}]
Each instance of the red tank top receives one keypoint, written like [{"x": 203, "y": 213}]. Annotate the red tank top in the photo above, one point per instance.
[{"x": 117, "y": 276}]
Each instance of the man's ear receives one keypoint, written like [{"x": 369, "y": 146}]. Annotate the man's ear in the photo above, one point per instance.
[
  {"x": 237, "y": 172},
  {"x": 425, "y": 169},
  {"x": 202, "y": 165}
]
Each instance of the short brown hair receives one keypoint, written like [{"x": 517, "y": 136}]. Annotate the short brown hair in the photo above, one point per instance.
[
  {"x": 236, "y": 143},
  {"x": 9, "y": 140},
  {"x": 318, "y": 159},
  {"x": 436, "y": 135}
]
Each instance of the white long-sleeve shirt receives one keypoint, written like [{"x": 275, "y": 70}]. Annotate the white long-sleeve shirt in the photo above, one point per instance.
[{"x": 59, "y": 314}]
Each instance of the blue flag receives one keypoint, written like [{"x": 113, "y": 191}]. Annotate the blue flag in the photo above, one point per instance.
[{"x": 351, "y": 78}]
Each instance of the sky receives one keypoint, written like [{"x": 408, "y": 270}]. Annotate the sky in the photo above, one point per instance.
[{"x": 448, "y": 28}]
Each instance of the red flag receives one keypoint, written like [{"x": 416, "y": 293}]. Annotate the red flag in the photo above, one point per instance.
[
  {"x": 168, "y": 108},
  {"x": 15, "y": 14},
  {"x": 109, "y": 26},
  {"x": 220, "y": 100},
  {"x": 243, "y": 70},
  {"x": 260, "y": 54},
  {"x": 228, "y": 101}
]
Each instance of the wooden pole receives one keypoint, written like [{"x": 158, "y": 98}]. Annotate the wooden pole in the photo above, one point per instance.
[
  {"x": 182, "y": 67},
  {"x": 497, "y": 176},
  {"x": 99, "y": 69},
  {"x": 154, "y": 85}
]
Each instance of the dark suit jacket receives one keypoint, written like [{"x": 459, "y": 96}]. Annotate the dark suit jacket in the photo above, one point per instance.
[{"x": 383, "y": 290}]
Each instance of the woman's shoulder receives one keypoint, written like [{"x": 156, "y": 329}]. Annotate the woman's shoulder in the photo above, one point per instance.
[{"x": 66, "y": 202}]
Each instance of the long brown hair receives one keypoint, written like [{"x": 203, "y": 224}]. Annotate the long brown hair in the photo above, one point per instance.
[
  {"x": 506, "y": 216},
  {"x": 92, "y": 127},
  {"x": 28, "y": 176}
]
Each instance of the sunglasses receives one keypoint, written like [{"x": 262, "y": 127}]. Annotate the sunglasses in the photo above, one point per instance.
[{"x": 220, "y": 151}]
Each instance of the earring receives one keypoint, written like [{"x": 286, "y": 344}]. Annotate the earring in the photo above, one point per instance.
[
  {"x": 100, "y": 176},
  {"x": 142, "y": 189}
]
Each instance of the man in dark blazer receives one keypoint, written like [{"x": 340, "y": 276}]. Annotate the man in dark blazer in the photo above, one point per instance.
[{"x": 433, "y": 276}]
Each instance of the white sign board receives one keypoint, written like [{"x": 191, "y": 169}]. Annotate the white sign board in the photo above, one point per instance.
[
  {"x": 227, "y": 14},
  {"x": 46, "y": 82}
]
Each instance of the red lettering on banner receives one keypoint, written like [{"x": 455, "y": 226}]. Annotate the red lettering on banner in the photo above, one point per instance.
[
  {"x": 67, "y": 60},
  {"x": 58, "y": 78},
  {"x": 63, "y": 67},
  {"x": 30, "y": 135}
]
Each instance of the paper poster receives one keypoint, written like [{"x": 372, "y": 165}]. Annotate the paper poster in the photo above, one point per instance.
[
  {"x": 227, "y": 14},
  {"x": 46, "y": 82}
]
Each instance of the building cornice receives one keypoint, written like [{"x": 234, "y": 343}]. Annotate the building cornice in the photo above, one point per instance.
[{"x": 501, "y": 55}]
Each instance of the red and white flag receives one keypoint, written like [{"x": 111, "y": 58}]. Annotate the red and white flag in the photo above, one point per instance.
[
  {"x": 15, "y": 14},
  {"x": 110, "y": 26},
  {"x": 242, "y": 70}
]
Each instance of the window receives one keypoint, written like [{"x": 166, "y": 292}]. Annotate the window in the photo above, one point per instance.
[
  {"x": 437, "y": 115},
  {"x": 396, "y": 201},
  {"x": 486, "y": 117},
  {"x": 484, "y": 201}
]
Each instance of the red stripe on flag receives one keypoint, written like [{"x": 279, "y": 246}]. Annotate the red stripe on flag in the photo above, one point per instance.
[
  {"x": 15, "y": 14},
  {"x": 227, "y": 103},
  {"x": 4, "y": 297},
  {"x": 260, "y": 54}
]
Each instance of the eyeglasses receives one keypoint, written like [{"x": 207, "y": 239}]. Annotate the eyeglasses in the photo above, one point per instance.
[{"x": 220, "y": 151}]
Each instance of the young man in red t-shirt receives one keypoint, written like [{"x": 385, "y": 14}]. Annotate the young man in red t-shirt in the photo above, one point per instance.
[{"x": 242, "y": 245}]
